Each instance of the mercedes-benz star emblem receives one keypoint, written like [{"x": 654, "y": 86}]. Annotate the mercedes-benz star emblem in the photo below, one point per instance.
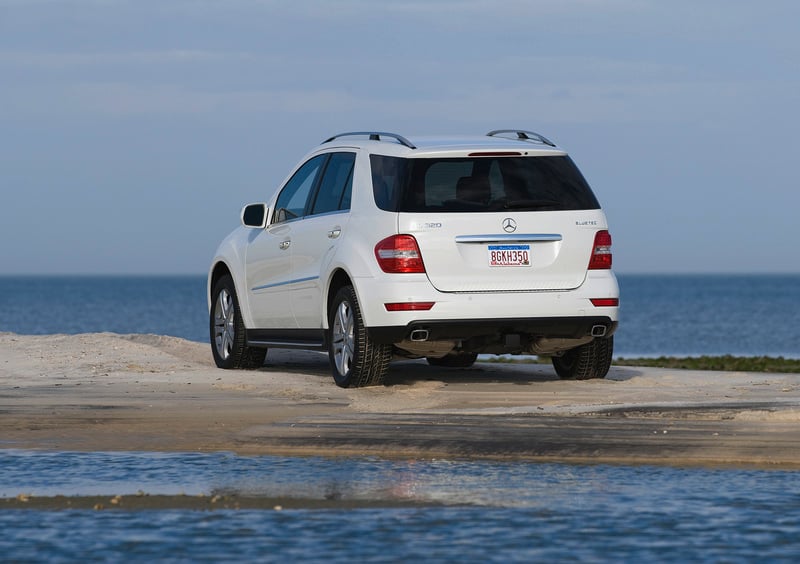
[{"x": 509, "y": 225}]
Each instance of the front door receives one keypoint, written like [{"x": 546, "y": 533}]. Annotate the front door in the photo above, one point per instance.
[{"x": 270, "y": 272}]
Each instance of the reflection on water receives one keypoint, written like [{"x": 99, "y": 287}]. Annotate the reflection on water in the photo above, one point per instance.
[
  {"x": 430, "y": 481},
  {"x": 473, "y": 510}
]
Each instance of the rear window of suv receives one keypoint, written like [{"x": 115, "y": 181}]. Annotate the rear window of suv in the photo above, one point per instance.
[{"x": 479, "y": 184}]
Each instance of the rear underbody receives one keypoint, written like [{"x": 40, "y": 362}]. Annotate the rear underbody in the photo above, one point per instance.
[{"x": 548, "y": 335}]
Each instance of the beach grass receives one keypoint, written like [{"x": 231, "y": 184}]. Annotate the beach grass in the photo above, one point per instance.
[{"x": 725, "y": 363}]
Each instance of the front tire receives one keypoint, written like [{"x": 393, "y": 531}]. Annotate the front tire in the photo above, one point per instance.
[
  {"x": 356, "y": 360},
  {"x": 592, "y": 360},
  {"x": 228, "y": 343}
]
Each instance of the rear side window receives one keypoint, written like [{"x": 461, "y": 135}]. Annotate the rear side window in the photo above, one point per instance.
[
  {"x": 337, "y": 184},
  {"x": 479, "y": 184}
]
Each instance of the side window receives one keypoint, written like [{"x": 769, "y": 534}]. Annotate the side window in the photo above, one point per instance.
[
  {"x": 337, "y": 184},
  {"x": 388, "y": 175},
  {"x": 293, "y": 198}
]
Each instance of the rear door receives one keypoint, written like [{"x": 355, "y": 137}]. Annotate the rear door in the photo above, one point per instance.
[
  {"x": 488, "y": 252},
  {"x": 501, "y": 224},
  {"x": 316, "y": 237}
]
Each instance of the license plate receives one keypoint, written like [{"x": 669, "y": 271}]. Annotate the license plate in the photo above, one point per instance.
[{"x": 509, "y": 255}]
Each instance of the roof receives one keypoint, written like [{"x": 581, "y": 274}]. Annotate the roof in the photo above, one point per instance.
[{"x": 525, "y": 142}]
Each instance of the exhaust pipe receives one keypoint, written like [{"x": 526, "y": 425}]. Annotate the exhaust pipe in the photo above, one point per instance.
[
  {"x": 599, "y": 331},
  {"x": 418, "y": 335}
]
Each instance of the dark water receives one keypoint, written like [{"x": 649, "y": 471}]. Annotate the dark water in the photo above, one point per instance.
[
  {"x": 660, "y": 315},
  {"x": 709, "y": 314},
  {"x": 163, "y": 305},
  {"x": 468, "y": 511}
]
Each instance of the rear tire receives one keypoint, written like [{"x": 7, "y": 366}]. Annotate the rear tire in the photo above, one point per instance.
[
  {"x": 228, "y": 342},
  {"x": 356, "y": 360},
  {"x": 585, "y": 362},
  {"x": 454, "y": 360}
]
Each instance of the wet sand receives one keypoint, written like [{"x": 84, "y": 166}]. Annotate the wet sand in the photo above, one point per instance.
[{"x": 106, "y": 392}]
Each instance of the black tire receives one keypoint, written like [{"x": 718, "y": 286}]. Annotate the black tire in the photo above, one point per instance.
[
  {"x": 227, "y": 331},
  {"x": 356, "y": 360},
  {"x": 454, "y": 360},
  {"x": 585, "y": 362}
]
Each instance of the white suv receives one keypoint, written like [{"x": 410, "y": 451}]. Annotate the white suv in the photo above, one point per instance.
[{"x": 377, "y": 246}]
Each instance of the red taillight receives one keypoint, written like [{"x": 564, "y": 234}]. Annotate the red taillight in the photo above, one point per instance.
[
  {"x": 399, "y": 254},
  {"x": 409, "y": 306},
  {"x": 601, "y": 253},
  {"x": 605, "y": 302}
]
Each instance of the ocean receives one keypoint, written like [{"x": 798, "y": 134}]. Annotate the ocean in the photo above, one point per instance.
[
  {"x": 674, "y": 315},
  {"x": 461, "y": 510}
]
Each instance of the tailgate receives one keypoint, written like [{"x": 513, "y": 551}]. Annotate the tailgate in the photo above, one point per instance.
[{"x": 505, "y": 251}]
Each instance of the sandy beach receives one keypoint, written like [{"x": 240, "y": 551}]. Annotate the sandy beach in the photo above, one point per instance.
[{"x": 108, "y": 392}]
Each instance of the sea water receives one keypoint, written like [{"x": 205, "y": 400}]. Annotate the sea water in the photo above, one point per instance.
[
  {"x": 678, "y": 315},
  {"x": 659, "y": 314},
  {"x": 462, "y": 511}
]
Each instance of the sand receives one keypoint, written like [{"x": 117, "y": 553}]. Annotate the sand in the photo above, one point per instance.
[{"x": 108, "y": 392}]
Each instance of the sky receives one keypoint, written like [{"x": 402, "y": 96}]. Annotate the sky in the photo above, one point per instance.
[{"x": 133, "y": 131}]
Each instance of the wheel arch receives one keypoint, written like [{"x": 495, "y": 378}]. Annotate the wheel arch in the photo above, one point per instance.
[
  {"x": 219, "y": 270},
  {"x": 339, "y": 278},
  {"x": 222, "y": 268}
]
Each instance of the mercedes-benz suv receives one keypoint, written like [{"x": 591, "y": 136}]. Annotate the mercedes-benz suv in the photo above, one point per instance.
[{"x": 378, "y": 246}]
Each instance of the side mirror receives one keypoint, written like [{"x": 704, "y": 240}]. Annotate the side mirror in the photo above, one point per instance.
[{"x": 254, "y": 215}]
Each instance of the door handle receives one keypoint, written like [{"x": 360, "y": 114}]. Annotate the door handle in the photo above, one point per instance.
[
  {"x": 283, "y": 245},
  {"x": 334, "y": 233}
]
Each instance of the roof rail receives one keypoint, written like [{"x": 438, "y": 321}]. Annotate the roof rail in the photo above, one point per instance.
[
  {"x": 523, "y": 135},
  {"x": 375, "y": 136}
]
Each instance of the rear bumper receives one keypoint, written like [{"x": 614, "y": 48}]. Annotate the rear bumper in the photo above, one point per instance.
[
  {"x": 465, "y": 329},
  {"x": 462, "y": 316}
]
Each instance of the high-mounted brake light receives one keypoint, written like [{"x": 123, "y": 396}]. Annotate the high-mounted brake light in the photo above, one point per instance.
[
  {"x": 399, "y": 254},
  {"x": 601, "y": 253}
]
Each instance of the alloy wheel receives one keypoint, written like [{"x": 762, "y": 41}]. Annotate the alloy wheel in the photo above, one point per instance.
[
  {"x": 224, "y": 324},
  {"x": 343, "y": 338}
]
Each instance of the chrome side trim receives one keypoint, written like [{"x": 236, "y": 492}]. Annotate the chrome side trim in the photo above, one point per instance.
[
  {"x": 296, "y": 281},
  {"x": 508, "y": 238}
]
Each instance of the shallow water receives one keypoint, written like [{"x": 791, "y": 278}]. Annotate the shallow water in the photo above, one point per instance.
[{"x": 466, "y": 510}]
